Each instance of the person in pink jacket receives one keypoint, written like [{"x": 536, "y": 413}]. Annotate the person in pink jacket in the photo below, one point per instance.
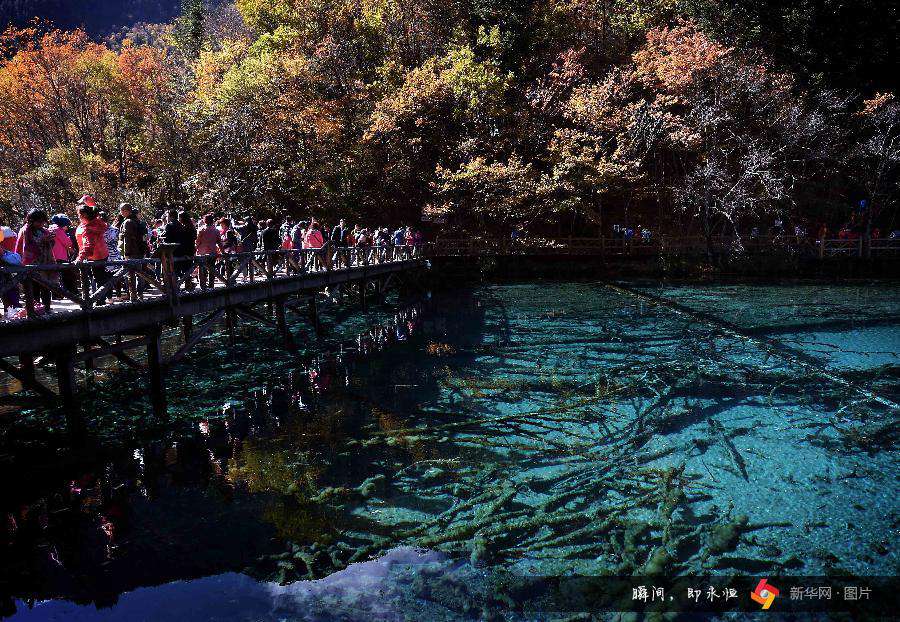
[
  {"x": 35, "y": 245},
  {"x": 209, "y": 242},
  {"x": 62, "y": 243},
  {"x": 313, "y": 237},
  {"x": 63, "y": 248}
]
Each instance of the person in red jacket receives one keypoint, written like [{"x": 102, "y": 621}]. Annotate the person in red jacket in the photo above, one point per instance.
[{"x": 91, "y": 237}]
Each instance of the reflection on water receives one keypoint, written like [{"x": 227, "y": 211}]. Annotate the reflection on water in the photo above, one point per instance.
[
  {"x": 543, "y": 429},
  {"x": 389, "y": 588}
]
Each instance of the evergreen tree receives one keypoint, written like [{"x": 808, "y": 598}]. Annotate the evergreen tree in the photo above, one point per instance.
[{"x": 192, "y": 29}]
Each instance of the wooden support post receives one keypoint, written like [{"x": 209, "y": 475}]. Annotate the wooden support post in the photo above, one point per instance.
[
  {"x": 157, "y": 372},
  {"x": 26, "y": 360},
  {"x": 187, "y": 327},
  {"x": 230, "y": 324},
  {"x": 88, "y": 360},
  {"x": 314, "y": 314},
  {"x": 362, "y": 294},
  {"x": 65, "y": 377},
  {"x": 281, "y": 320}
]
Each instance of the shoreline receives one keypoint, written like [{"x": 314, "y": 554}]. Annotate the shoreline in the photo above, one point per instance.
[{"x": 455, "y": 270}]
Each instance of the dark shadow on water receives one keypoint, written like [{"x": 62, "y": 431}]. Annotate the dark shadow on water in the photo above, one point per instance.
[{"x": 243, "y": 489}]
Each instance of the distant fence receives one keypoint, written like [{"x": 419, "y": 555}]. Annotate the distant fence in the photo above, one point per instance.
[{"x": 663, "y": 245}]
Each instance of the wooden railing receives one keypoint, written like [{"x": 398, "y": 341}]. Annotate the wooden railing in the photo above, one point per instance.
[
  {"x": 656, "y": 245},
  {"x": 88, "y": 285}
]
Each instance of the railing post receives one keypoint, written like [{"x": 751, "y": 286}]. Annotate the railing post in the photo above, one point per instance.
[
  {"x": 28, "y": 290},
  {"x": 169, "y": 275},
  {"x": 229, "y": 270},
  {"x": 131, "y": 283},
  {"x": 85, "y": 274}
]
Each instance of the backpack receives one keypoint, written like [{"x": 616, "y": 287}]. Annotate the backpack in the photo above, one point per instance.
[{"x": 10, "y": 258}]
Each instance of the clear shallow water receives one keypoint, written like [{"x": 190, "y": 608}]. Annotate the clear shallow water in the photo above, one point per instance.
[{"x": 541, "y": 429}]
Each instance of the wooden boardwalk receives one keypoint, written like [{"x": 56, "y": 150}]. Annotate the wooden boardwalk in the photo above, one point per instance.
[
  {"x": 108, "y": 308},
  {"x": 123, "y": 305}
]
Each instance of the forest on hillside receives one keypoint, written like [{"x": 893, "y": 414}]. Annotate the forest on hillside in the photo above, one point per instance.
[
  {"x": 547, "y": 115},
  {"x": 99, "y": 18}
]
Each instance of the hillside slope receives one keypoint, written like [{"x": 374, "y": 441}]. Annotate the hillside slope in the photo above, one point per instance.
[{"x": 98, "y": 17}]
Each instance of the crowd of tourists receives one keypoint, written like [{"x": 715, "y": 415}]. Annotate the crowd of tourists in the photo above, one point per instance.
[{"x": 101, "y": 236}]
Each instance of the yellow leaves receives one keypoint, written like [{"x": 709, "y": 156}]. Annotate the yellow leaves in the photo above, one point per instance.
[
  {"x": 302, "y": 15},
  {"x": 374, "y": 13},
  {"x": 477, "y": 84},
  {"x": 212, "y": 65},
  {"x": 267, "y": 14},
  {"x": 457, "y": 84},
  {"x": 266, "y": 70},
  {"x": 412, "y": 102},
  {"x": 597, "y": 106},
  {"x": 500, "y": 189},
  {"x": 272, "y": 82},
  {"x": 252, "y": 77}
]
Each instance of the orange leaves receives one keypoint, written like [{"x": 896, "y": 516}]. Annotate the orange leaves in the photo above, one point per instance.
[
  {"x": 64, "y": 82},
  {"x": 873, "y": 106},
  {"x": 75, "y": 114},
  {"x": 673, "y": 58},
  {"x": 142, "y": 70}
]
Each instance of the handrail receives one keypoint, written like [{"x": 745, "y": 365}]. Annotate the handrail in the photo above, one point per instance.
[
  {"x": 660, "y": 244},
  {"x": 168, "y": 277}
]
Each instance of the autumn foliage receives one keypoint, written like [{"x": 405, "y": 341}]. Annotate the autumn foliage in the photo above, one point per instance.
[
  {"x": 75, "y": 115},
  {"x": 558, "y": 116}
]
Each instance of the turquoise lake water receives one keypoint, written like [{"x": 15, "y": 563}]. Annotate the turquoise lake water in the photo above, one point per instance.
[{"x": 548, "y": 429}]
